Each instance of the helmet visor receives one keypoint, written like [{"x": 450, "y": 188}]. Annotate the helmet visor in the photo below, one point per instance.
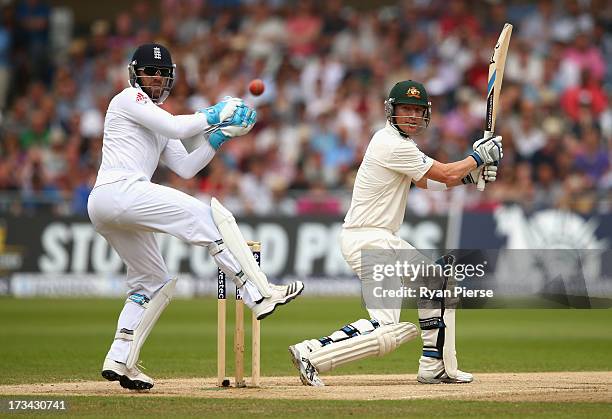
[{"x": 411, "y": 123}]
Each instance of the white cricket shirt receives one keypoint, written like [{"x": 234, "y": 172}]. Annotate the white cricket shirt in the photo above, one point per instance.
[
  {"x": 137, "y": 133},
  {"x": 390, "y": 164}
]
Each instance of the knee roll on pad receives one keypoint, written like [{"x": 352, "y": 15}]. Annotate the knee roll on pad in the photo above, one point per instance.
[{"x": 376, "y": 340}]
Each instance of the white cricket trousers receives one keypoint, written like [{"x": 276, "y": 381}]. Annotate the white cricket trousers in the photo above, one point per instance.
[
  {"x": 352, "y": 242},
  {"x": 128, "y": 213}
]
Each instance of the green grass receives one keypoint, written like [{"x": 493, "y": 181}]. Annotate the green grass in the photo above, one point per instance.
[
  {"x": 65, "y": 339},
  {"x": 142, "y": 406},
  {"x": 44, "y": 340}
]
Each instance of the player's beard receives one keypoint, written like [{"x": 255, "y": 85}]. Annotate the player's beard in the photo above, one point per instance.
[{"x": 154, "y": 92}]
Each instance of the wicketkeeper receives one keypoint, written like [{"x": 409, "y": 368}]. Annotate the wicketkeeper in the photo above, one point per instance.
[
  {"x": 128, "y": 209},
  {"x": 391, "y": 163}
]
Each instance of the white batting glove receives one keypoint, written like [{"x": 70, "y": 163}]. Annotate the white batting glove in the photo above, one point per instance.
[
  {"x": 487, "y": 150},
  {"x": 489, "y": 172}
]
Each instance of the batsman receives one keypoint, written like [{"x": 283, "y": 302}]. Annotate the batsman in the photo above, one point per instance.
[{"x": 393, "y": 162}]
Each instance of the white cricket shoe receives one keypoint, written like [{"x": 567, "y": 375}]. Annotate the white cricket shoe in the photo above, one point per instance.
[
  {"x": 308, "y": 373},
  {"x": 436, "y": 374},
  {"x": 281, "y": 294},
  {"x": 132, "y": 379}
]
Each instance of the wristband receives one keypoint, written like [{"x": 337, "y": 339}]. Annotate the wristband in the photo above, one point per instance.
[
  {"x": 433, "y": 185},
  {"x": 476, "y": 157}
]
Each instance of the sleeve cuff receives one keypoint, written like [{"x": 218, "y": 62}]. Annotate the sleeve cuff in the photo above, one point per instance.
[{"x": 426, "y": 169}]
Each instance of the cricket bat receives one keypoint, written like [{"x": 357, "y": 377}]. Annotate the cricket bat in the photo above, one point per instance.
[{"x": 496, "y": 75}]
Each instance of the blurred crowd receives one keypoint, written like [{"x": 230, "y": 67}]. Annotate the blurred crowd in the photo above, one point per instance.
[{"x": 327, "y": 67}]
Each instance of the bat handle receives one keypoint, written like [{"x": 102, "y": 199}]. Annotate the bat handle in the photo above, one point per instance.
[{"x": 481, "y": 182}]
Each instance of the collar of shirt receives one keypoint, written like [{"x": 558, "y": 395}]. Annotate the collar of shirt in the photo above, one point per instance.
[{"x": 392, "y": 131}]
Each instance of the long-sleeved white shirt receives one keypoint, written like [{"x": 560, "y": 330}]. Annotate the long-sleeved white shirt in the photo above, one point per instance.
[{"x": 138, "y": 133}]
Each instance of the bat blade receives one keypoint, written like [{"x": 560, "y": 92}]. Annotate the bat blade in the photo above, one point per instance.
[{"x": 496, "y": 76}]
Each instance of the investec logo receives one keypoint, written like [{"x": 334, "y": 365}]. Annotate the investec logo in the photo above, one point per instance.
[
  {"x": 156, "y": 53},
  {"x": 11, "y": 257}
]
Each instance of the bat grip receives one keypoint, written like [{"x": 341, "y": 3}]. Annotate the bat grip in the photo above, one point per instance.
[{"x": 481, "y": 182}]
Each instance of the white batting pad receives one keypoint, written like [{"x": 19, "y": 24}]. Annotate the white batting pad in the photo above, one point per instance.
[
  {"x": 434, "y": 346},
  {"x": 377, "y": 342},
  {"x": 237, "y": 245}
]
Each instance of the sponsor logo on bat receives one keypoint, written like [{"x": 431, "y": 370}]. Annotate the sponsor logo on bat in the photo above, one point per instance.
[{"x": 490, "y": 111}]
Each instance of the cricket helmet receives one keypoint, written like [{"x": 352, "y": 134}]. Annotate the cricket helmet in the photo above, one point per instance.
[
  {"x": 155, "y": 60},
  {"x": 412, "y": 93}
]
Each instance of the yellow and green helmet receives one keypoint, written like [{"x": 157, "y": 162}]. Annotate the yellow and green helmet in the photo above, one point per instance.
[{"x": 412, "y": 93}]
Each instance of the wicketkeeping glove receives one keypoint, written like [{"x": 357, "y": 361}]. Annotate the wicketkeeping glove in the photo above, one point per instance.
[
  {"x": 221, "y": 111},
  {"x": 489, "y": 172},
  {"x": 487, "y": 150},
  {"x": 239, "y": 124}
]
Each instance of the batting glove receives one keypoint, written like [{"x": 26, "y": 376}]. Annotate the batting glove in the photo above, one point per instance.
[
  {"x": 489, "y": 172},
  {"x": 487, "y": 150}
]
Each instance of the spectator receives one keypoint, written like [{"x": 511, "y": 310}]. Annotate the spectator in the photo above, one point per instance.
[
  {"x": 589, "y": 94},
  {"x": 255, "y": 192},
  {"x": 526, "y": 132},
  {"x": 266, "y": 34},
  {"x": 17, "y": 118},
  {"x": 318, "y": 201},
  {"x": 547, "y": 191},
  {"x": 592, "y": 159},
  {"x": 572, "y": 21},
  {"x": 6, "y": 43},
  {"x": 33, "y": 17},
  {"x": 326, "y": 73},
  {"x": 585, "y": 56},
  {"x": 38, "y": 132},
  {"x": 457, "y": 18},
  {"x": 303, "y": 28},
  {"x": 537, "y": 27}
]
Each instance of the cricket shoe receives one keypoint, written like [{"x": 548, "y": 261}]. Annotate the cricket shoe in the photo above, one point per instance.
[
  {"x": 308, "y": 373},
  {"x": 281, "y": 294},
  {"x": 132, "y": 379},
  {"x": 439, "y": 376}
]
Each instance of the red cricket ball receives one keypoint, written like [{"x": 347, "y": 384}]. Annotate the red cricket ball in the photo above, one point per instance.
[{"x": 256, "y": 87}]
